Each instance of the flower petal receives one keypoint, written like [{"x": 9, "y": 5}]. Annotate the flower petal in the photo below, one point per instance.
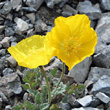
[{"x": 32, "y": 52}]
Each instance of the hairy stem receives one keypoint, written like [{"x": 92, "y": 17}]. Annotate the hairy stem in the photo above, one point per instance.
[
  {"x": 62, "y": 75},
  {"x": 47, "y": 83}
]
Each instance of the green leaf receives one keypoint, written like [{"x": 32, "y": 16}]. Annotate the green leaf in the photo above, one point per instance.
[
  {"x": 32, "y": 78},
  {"x": 64, "y": 100},
  {"x": 54, "y": 71},
  {"x": 28, "y": 74},
  {"x": 34, "y": 84},
  {"x": 79, "y": 88},
  {"x": 26, "y": 86},
  {"x": 18, "y": 107},
  {"x": 25, "y": 79},
  {"x": 60, "y": 90},
  {"x": 76, "y": 89},
  {"x": 29, "y": 105},
  {"x": 33, "y": 92},
  {"x": 44, "y": 106},
  {"x": 67, "y": 87},
  {"x": 38, "y": 98},
  {"x": 44, "y": 94}
]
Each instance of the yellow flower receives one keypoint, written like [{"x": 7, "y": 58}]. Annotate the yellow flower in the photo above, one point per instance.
[
  {"x": 73, "y": 39},
  {"x": 32, "y": 52}
]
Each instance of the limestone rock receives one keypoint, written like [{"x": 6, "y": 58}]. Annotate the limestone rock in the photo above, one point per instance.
[
  {"x": 81, "y": 70},
  {"x": 10, "y": 85},
  {"x": 87, "y": 8},
  {"x": 12, "y": 62}
]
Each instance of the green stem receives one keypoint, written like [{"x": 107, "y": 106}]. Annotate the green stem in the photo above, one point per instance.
[
  {"x": 62, "y": 75},
  {"x": 47, "y": 83}
]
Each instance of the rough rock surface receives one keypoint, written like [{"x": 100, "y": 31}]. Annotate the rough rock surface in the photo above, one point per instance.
[
  {"x": 10, "y": 85},
  {"x": 81, "y": 70},
  {"x": 87, "y": 8},
  {"x": 96, "y": 73},
  {"x": 102, "y": 85},
  {"x": 105, "y": 4}
]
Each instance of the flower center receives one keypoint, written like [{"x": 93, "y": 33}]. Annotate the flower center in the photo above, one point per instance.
[{"x": 71, "y": 46}]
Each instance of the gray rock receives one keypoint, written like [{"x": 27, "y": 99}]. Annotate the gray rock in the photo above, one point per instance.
[
  {"x": 9, "y": 17},
  {"x": 21, "y": 24},
  {"x": 104, "y": 20},
  {"x": 34, "y": 3},
  {"x": 69, "y": 9},
  {"x": 87, "y": 8},
  {"x": 15, "y": 3},
  {"x": 85, "y": 101},
  {"x": 105, "y": 4},
  {"x": 107, "y": 106},
  {"x": 2, "y": 28},
  {"x": 55, "y": 63},
  {"x": 81, "y": 70},
  {"x": 30, "y": 26},
  {"x": 25, "y": 96},
  {"x": 2, "y": 64},
  {"x": 1, "y": 38},
  {"x": 1, "y": 20},
  {"x": 10, "y": 85},
  {"x": 51, "y": 3},
  {"x": 86, "y": 108},
  {"x": 13, "y": 39},
  {"x": 1, "y": 4},
  {"x": 66, "y": 14},
  {"x": 103, "y": 31},
  {"x": 8, "y": 23},
  {"x": 65, "y": 106},
  {"x": 12, "y": 62},
  {"x": 9, "y": 32},
  {"x": 93, "y": 24},
  {"x": 103, "y": 59},
  {"x": 19, "y": 73},
  {"x": 5, "y": 42},
  {"x": 62, "y": 3},
  {"x": 2, "y": 52},
  {"x": 96, "y": 73},
  {"x": 30, "y": 32},
  {"x": 95, "y": 102},
  {"x": 103, "y": 37},
  {"x": 44, "y": 12},
  {"x": 28, "y": 9},
  {"x": 31, "y": 16},
  {"x": 7, "y": 71},
  {"x": 0, "y": 45},
  {"x": 1, "y": 101},
  {"x": 8, "y": 107},
  {"x": 6, "y": 8},
  {"x": 49, "y": 28},
  {"x": 13, "y": 43},
  {"x": 72, "y": 101},
  {"x": 102, "y": 85},
  {"x": 4, "y": 98},
  {"x": 103, "y": 97},
  {"x": 40, "y": 26}
]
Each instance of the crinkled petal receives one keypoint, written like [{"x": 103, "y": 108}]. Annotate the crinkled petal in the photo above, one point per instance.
[{"x": 31, "y": 52}]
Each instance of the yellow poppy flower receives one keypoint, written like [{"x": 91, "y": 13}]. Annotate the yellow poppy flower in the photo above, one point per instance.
[
  {"x": 32, "y": 52},
  {"x": 73, "y": 39}
]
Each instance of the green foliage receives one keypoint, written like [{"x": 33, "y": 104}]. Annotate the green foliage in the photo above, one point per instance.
[
  {"x": 59, "y": 90},
  {"x": 38, "y": 93},
  {"x": 32, "y": 79}
]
